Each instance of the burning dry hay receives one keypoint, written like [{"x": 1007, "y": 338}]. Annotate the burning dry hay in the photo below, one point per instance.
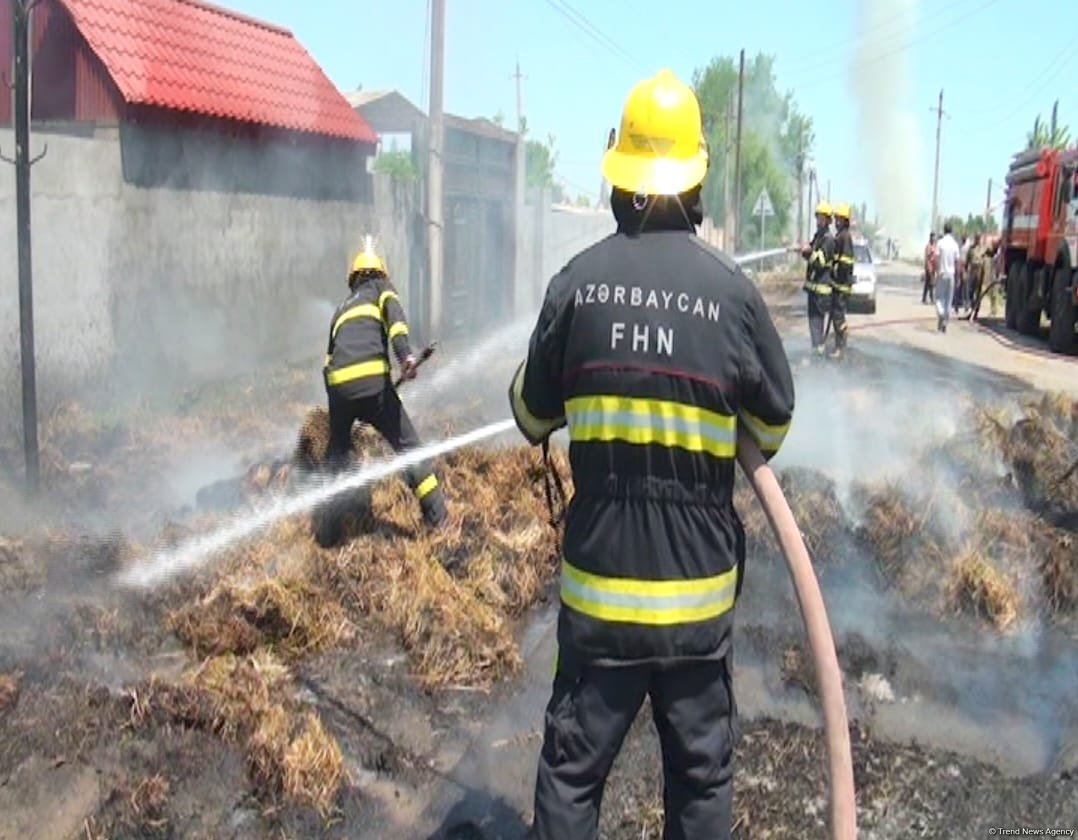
[
  {"x": 250, "y": 700},
  {"x": 1058, "y": 565},
  {"x": 450, "y": 596},
  {"x": 454, "y": 621},
  {"x": 9, "y": 692},
  {"x": 906, "y": 550},
  {"x": 22, "y": 569},
  {"x": 292, "y": 615},
  {"x": 814, "y": 502},
  {"x": 977, "y": 587}
]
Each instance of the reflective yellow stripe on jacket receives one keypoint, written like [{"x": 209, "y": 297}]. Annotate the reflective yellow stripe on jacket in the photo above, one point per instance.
[
  {"x": 768, "y": 437},
  {"x": 375, "y": 367},
  {"x": 654, "y": 602},
  {"x": 647, "y": 421},
  {"x": 818, "y": 288},
  {"x": 363, "y": 310}
]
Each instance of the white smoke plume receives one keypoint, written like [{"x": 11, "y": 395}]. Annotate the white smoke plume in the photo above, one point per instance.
[{"x": 881, "y": 73}]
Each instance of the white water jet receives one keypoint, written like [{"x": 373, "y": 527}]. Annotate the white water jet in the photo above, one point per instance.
[
  {"x": 197, "y": 551},
  {"x": 511, "y": 339}
]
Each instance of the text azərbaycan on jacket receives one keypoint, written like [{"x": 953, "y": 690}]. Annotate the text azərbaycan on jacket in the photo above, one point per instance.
[{"x": 652, "y": 350}]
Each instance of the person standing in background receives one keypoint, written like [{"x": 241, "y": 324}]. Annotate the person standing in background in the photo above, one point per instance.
[
  {"x": 974, "y": 267},
  {"x": 962, "y": 276},
  {"x": 928, "y": 294},
  {"x": 945, "y": 281}
]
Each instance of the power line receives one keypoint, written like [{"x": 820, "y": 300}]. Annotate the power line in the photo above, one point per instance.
[
  {"x": 563, "y": 8},
  {"x": 1066, "y": 54},
  {"x": 799, "y": 65},
  {"x": 906, "y": 46},
  {"x": 1044, "y": 82}
]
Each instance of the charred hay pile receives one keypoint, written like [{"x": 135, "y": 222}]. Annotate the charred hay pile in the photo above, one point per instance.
[
  {"x": 984, "y": 525},
  {"x": 996, "y": 545},
  {"x": 450, "y": 599}
]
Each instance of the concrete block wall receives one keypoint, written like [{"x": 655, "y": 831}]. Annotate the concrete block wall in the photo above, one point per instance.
[{"x": 148, "y": 290}]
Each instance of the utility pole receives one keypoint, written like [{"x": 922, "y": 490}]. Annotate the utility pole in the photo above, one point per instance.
[
  {"x": 828, "y": 190},
  {"x": 800, "y": 188},
  {"x": 737, "y": 157},
  {"x": 988, "y": 205},
  {"x": 20, "y": 10},
  {"x": 436, "y": 168},
  {"x": 936, "y": 174},
  {"x": 518, "y": 197},
  {"x": 727, "y": 197}
]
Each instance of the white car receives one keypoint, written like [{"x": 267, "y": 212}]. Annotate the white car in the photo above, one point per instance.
[{"x": 863, "y": 298}]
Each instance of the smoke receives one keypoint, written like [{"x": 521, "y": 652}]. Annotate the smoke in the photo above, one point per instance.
[
  {"x": 892, "y": 416},
  {"x": 880, "y": 77}
]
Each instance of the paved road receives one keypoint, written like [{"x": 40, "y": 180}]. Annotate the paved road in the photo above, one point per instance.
[{"x": 902, "y": 319}]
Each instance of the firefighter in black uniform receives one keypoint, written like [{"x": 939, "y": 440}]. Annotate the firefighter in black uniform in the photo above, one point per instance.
[
  {"x": 820, "y": 256},
  {"x": 841, "y": 277},
  {"x": 653, "y": 349},
  {"x": 357, "y": 378}
]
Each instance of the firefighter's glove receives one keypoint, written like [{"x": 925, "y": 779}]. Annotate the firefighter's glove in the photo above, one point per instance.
[{"x": 408, "y": 368}]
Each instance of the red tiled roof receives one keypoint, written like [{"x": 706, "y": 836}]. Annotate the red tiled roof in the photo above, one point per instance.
[{"x": 190, "y": 56}]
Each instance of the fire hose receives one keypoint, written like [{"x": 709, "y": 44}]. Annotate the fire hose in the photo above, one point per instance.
[
  {"x": 843, "y": 804},
  {"x": 821, "y": 643}
]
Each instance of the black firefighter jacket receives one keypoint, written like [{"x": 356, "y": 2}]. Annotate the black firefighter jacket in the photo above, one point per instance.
[
  {"x": 363, "y": 327},
  {"x": 653, "y": 349}
]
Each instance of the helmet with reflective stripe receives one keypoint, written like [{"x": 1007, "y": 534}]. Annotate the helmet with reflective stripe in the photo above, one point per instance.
[
  {"x": 660, "y": 148},
  {"x": 842, "y": 211},
  {"x": 823, "y": 209},
  {"x": 368, "y": 260}
]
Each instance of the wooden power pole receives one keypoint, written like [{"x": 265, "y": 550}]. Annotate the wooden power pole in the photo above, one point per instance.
[
  {"x": 727, "y": 169},
  {"x": 436, "y": 168},
  {"x": 20, "y": 12},
  {"x": 737, "y": 153},
  {"x": 936, "y": 174},
  {"x": 519, "y": 179}
]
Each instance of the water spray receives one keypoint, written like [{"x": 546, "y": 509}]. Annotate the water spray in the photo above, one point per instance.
[{"x": 195, "y": 552}]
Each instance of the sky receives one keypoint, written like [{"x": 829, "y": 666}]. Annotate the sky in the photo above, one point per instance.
[{"x": 1000, "y": 63}]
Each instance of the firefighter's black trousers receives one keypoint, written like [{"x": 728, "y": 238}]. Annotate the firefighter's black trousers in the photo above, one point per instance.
[
  {"x": 385, "y": 413},
  {"x": 818, "y": 307},
  {"x": 591, "y": 710},
  {"x": 840, "y": 301}
]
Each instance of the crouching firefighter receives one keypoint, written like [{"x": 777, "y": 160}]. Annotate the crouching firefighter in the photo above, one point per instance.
[
  {"x": 357, "y": 375},
  {"x": 820, "y": 256},
  {"x": 841, "y": 277},
  {"x": 653, "y": 349}
]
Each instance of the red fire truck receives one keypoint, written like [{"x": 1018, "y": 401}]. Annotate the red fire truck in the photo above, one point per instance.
[{"x": 1040, "y": 244}]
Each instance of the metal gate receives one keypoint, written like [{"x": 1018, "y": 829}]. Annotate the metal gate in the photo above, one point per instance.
[{"x": 479, "y": 237}]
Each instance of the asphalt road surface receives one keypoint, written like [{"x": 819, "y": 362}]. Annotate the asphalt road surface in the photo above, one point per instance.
[{"x": 901, "y": 319}]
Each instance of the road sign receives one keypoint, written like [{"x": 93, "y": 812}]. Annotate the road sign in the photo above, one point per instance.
[{"x": 763, "y": 205}]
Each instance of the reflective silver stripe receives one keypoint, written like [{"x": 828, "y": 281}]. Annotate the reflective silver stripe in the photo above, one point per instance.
[
  {"x": 647, "y": 602},
  {"x": 683, "y": 425},
  {"x": 767, "y": 437}
]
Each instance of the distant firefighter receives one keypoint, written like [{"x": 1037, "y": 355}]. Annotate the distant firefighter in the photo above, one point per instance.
[{"x": 357, "y": 378}]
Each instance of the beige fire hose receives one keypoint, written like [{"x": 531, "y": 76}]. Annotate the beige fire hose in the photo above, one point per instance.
[{"x": 821, "y": 642}]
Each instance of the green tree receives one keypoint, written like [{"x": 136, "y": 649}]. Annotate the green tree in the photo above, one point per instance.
[
  {"x": 776, "y": 140},
  {"x": 1051, "y": 135},
  {"x": 397, "y": 165}
]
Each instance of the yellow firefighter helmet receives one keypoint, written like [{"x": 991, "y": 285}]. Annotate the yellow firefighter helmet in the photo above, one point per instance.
[
  {"x": 660, "y": 148},
  {"x": 823, "y": 209},
  {"x": 368, "y": 259},
  {"x": 842, "y": 211}
]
